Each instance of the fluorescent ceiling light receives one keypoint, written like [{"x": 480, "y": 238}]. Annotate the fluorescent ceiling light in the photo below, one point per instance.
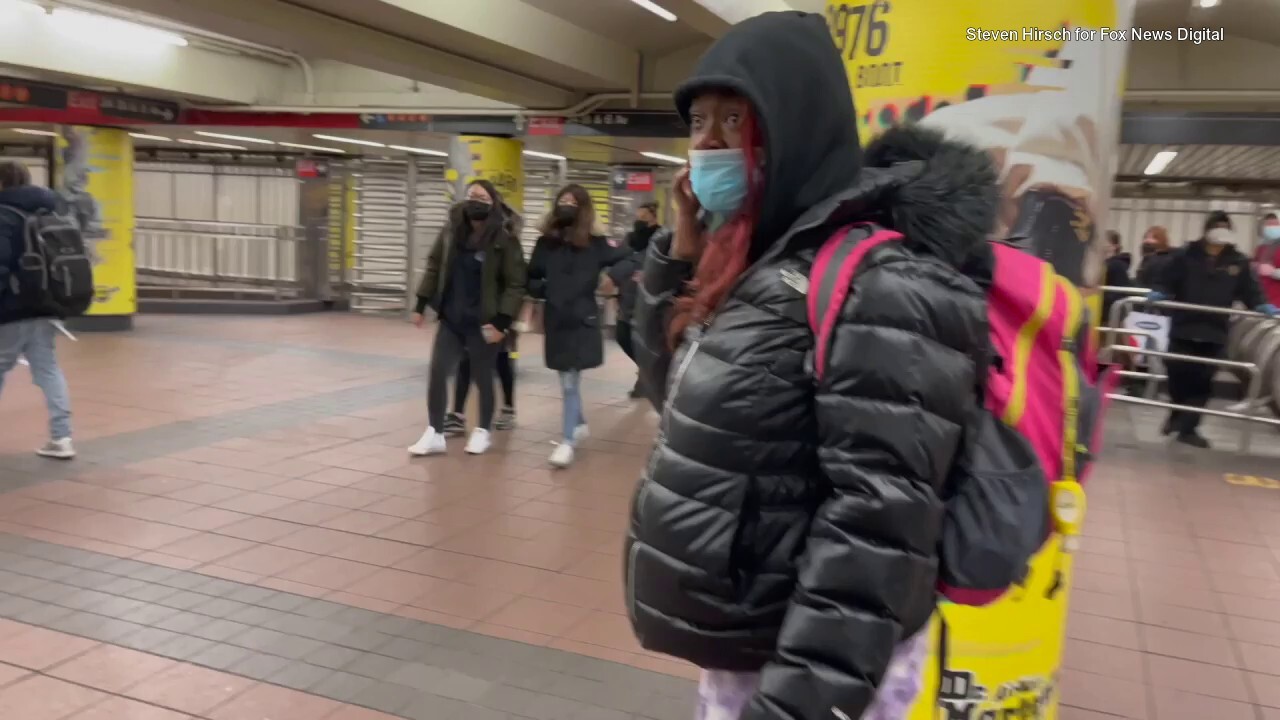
[
  {"x": 202, "y": 143},
  {"x": 97, "y": 28},
  {"x": 1160, "y": 162},
  {"x": 665, "y": 158},
  {"x": 144, "y": 136},
  {"x": 419, "y": 151},
  {"x": 45, "y": 133},
  {"x": 239, "y": 138},
  {"x": 353, "y": 141},
  {"x": 544, "y": 156},
  {"x": 1207, "y": 3},
  {"x": 317, "y": 148},
  {"x": 654, "y": 8}
]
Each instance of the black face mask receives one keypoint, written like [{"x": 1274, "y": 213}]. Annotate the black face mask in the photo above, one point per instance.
[
  {"x": 641, "y": 233},
  {"x": 566, "y": 215},
  {"x": 1148, "y": 249},
  {"x": 476, "y": 210}
]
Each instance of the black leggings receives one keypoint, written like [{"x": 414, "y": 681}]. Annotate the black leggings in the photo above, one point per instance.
[
  {"x": 452, "y": 348},
  {"x": 506, "y": 375}
]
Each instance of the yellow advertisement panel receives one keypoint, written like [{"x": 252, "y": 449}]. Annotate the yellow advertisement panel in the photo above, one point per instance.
[
  {"x": 498, "y": 160},
  {"x": 93, "y": 171},
  {"x": 1038, "y": 85}
]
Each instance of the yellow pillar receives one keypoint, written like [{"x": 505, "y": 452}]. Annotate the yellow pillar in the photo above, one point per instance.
[
  {"x": 93, "y": 170},
  {"x": 1039, "y": 85},
  {"x": 496, "y": 159}
]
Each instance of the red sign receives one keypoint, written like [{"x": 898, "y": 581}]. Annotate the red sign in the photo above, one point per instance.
[
  {"x": 312, "y": 169},
  {"x": 545, "y": 126},
  {"x": 640, "y": 181}
]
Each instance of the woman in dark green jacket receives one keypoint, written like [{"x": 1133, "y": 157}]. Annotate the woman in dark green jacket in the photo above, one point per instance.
[{"x": 475, "y": 282}]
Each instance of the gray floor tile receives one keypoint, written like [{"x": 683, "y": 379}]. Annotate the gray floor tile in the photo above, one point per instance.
[
  {"x": 256, "y": 615},
  {"x": 147, "y": 638},
  {"x": 220, "y": 656},
  {"x": 387, "y": 698},
  {"x": 434, "y": 707},
  {"x": 374, "y": 666},
  {"x": 219, "y": 607},
  {"x": 219, "y": 630},
  {"x": 342, "y": 686},
  {"x": 183, "y": 647},
  {"x": 333, "y": 656},
  {"x": 260, "y": 667},
  {"x": 151, "y": 615},
  {"x": 300, "y": 676}
]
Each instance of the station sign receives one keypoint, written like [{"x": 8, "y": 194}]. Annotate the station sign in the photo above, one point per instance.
[
  {"x": 633, "y": 181},
  {"x": 614, "y": 124},
  {"x": 89, "y": 107}
]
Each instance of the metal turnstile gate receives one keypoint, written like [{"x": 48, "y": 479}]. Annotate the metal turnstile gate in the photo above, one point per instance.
[{"x": 379, "y": 277}]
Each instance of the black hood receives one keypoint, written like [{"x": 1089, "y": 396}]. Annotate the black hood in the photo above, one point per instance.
[
  {"x": 1217, "y": 217},
  {"x": 787, "y": 66}
]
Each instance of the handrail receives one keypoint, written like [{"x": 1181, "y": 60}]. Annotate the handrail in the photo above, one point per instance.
[{"x": 1255, "y": 373}]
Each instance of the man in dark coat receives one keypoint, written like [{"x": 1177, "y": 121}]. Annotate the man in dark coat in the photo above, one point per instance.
[{"x": 626, "y": 274}]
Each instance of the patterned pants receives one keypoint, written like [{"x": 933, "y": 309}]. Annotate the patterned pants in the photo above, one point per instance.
[{"x": 723, "y": 695}]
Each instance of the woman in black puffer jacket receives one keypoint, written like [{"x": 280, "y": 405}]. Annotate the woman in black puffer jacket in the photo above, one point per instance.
[{"x": 787, "y": 525}]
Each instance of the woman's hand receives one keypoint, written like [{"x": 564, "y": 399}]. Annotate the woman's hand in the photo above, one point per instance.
[
  {"x": 419, "y": 319},
  {"x": 688, "y": 241},
  {"x": 491, "y": 334}
]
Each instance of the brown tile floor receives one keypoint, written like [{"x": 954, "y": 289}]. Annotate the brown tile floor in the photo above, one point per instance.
[{"x": 269, "y": 453}]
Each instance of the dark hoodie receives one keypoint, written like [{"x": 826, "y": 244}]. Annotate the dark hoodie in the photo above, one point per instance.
[
  {"x": 1117, "y": 276},
  {"x": 786, "y": 524},
  {"x": 27, "y": 199}
]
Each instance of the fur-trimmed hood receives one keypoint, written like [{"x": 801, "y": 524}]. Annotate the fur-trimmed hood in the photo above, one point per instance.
[{"x": 942, "y": 194}]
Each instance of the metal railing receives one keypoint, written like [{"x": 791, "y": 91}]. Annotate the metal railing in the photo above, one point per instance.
[
  {"x": 1254, "y": 369},
  {"x": 233, "y": 257}
]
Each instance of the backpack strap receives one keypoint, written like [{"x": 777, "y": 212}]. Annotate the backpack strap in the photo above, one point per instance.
[{"x": 832, "y": 277}]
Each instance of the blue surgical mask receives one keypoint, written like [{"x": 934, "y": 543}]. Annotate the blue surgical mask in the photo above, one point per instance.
[
  {"x": 1271, "y": 232},
  {"x": 719, "y": 179}
]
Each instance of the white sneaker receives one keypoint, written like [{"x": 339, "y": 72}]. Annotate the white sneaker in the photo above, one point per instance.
[
  {"x": 562, "y": 456},
  {"x": 580, "y": 433},
  {"x": 478, "y": 443},
  {"x": 58, "y": 449},
  {"x": 431, "y": 443},
  {"x": 1245, "y": 406}
]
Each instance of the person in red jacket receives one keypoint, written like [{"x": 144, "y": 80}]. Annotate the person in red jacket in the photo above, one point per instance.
[{"x": 1266, "y": 259}]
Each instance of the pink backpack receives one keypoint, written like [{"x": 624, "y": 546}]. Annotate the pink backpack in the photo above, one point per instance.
[{"x": 1045, "y": 398}]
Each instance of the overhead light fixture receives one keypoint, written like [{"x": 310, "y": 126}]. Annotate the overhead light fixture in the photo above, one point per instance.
[
  {"x": 43, "y": 133},
  {"x": 91, "y": 27},
  {"x": 239, "y": 138},
  {"x": 1160, "y": 162},
  {"x": 202, "y": 143},
  {"x": 317, "y": 148},
  {"x": 1207, "y": 3},
  {"x": 419, "y": 151},
  {"x": 353, "y": 141},
  {"x": 544, "y": 156},
  {"x": 656, "y": 9},
  {"x": 666, "y": 158},
  {"x": 144, "y": 136}
]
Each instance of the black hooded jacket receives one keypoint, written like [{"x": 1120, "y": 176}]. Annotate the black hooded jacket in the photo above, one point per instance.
[{"x": 785, "y": 524}]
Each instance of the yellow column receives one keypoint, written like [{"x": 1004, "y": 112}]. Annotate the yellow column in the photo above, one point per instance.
[
  {"x": 93, "y": 170},
  {"x": 1039, "y": 85},
  {"x": 496, "y": 159}
]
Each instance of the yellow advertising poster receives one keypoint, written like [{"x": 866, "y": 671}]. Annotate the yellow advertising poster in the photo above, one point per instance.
[
  {"x": 93, "y": 171},
  {"x": 498, "y": 160},
  {"x": 1037, "y": 84}
]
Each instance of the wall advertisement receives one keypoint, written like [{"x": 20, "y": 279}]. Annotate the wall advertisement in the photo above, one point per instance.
[
  {"x": 1039, "y": 86},
  {"x": 93, "y": 171}
]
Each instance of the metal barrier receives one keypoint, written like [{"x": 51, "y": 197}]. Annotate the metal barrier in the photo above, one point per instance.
[
  {"x": 235, "y": 257},
  {"x": 1253, "y": 369}
]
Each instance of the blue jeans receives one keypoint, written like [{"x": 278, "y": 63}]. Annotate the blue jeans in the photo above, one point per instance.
[
  {"x": 571, "y": 391},
  {"x": 35, "y": 340}
]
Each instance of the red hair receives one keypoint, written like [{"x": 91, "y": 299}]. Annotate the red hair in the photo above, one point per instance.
[{"x": 725, "y": 250}]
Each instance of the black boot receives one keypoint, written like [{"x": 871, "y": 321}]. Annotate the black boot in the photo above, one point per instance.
[
  {"x": 1194, "y": 439},
  {"x": 637, "y": 391}
]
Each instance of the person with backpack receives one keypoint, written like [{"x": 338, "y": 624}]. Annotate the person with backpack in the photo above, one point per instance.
[
  {"x": 45, "y": 276},
  {"x": 832, "y": 332}
]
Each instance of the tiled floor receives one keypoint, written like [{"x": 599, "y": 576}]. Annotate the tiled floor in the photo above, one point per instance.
[{"x": 244, "y": 537}]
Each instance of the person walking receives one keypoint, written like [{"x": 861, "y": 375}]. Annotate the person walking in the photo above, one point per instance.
[
  {"x": 1212, "y": 272},
  {"x": 27, "y": 330},
  {"x": 564, "y": 271},
  {"x": 474, "y": 281},
  {"x": 626, "y": 274}
]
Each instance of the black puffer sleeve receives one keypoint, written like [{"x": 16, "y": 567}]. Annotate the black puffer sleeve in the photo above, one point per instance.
[
  {"x": 899, "y": 388},
  {"x": 663, "y": 281}
]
